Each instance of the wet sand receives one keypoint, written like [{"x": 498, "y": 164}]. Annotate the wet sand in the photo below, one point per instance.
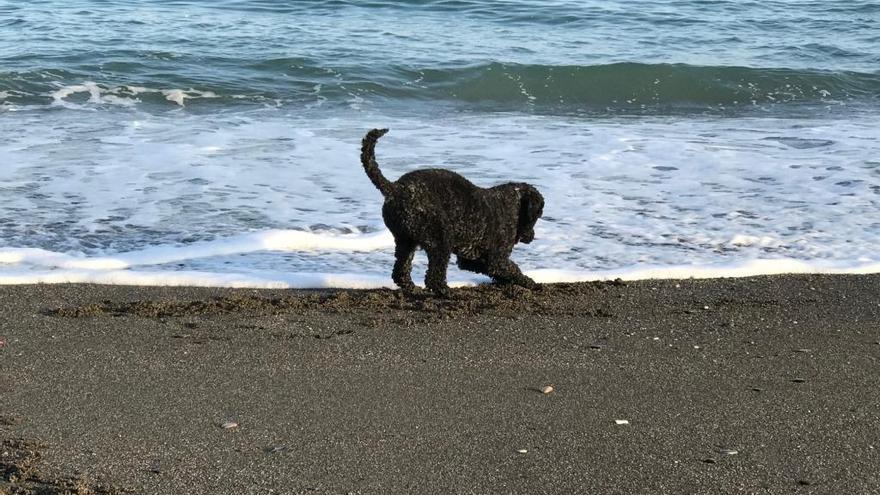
[{"x": 758, "y": 385}]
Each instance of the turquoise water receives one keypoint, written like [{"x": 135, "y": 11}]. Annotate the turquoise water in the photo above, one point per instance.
[
  {"x": 586, "y": 56},
  {"x": 662, "y": 132}
]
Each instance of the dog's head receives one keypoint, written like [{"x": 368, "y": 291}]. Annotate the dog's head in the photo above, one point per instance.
[{"x": 531, "y": 207}]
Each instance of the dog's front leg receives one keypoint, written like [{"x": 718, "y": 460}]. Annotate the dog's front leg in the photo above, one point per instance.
[
  {"x": 476, "y": 266},
  {"x": 505, "y": 271},
  {"x": 438, "y": 261}
]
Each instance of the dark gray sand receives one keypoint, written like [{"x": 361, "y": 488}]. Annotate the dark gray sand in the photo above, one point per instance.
[{"x": 759, "y": 385}]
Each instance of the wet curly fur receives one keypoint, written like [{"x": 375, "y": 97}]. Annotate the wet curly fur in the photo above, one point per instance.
[{"x": 443, "y": 213}]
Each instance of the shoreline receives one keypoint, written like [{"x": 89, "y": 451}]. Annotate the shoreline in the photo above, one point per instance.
[
  {"x": 761, "y": 384},
  {"x": 122, "y": 270}
]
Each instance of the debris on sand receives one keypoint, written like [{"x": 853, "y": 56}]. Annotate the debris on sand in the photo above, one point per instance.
[
  {"x": 546, "y": 389},
  {"x": 19, "y": 473},
  {"x": 18, "y": 459}
]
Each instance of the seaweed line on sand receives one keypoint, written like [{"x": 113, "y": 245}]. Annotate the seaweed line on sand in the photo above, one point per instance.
[{"x": 502, "y": 301}]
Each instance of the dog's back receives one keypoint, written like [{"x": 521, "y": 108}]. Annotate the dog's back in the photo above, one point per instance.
[
  {"x": 424, "y": 201},
  {"x": 436, "y": 188}
]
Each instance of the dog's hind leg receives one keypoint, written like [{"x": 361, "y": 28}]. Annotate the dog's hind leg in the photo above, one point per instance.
[
  {"x": 402, "y": 273},
  {"x": 438, "y": 261}
]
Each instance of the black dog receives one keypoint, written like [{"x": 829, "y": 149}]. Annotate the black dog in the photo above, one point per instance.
[{"x": 444, "y": 213}]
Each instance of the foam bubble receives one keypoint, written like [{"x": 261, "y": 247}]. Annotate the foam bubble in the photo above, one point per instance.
[
  {"x": 136, "y": 90},
  {"x": 143, "y": 278},
  {"x": 748, "y": 268},
  {"x": 178, "y": 95},
  {"x": 119, "y": 100},
  {"x": 118, "y": 95},
  {"x": 175, "y": 95},
  {"x": 94, "y": 91},
  {"x": 97, "y": 95},
  {"x": 752, "y": 240}
]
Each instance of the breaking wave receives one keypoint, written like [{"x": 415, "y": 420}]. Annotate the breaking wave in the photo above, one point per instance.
[{"x": 620, "y": 87}]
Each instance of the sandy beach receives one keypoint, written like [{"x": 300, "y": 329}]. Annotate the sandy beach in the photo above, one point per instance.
[{"x": 755, "y": 385}]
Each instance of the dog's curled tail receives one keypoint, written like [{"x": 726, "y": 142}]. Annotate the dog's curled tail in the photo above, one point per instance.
[{"x": 368, "y": 159}]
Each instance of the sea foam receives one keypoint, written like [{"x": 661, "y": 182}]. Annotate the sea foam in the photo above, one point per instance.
[
  {"x": 267, "y": 193},
  {"x": 126, "y": 96},
  {"x": 273, "y": 240},
  {"x": 30, "y": 265},
  {"x": 302, "y": 280}
]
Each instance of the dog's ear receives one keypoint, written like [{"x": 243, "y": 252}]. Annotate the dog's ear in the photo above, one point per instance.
[{"x": 531, "y": 207}]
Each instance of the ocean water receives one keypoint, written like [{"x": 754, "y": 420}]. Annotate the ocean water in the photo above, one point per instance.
[{"x": 169, "y": 142}]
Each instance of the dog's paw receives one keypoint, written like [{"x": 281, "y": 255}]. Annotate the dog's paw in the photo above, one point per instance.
[
  {"x": 442, "y": 292},
  {"x": 514, "y": 291},
  {"x": 412, "y": 291},
  {"x": 417, "y": 293},
  {"x": 528, "y": 283}
]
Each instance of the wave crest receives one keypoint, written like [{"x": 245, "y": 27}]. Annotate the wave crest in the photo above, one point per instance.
[{"x": 620, "y": 87}]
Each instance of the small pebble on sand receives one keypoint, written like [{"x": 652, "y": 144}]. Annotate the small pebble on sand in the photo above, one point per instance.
[
  {"x": 546, "y": 389},
  {"x": 621, "y": 421},
  {"x": 228, "y": 425},
  {"x": 523, "y": 451}
]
